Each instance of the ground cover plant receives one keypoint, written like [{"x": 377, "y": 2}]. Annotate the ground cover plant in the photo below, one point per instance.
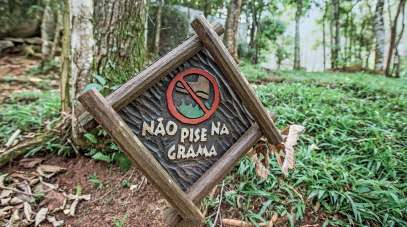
[{"x": 358, "y": 174}]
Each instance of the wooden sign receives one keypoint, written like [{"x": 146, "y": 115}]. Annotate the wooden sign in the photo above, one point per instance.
[{"x": 185, "y": 120}]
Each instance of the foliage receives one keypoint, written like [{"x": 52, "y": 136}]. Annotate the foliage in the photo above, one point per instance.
[
  {"x": 358, "y": 176},
  {"x": 31, "y": 112}
]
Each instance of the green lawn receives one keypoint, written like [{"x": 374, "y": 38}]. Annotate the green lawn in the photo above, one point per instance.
[{"x": 359, "y": 175}]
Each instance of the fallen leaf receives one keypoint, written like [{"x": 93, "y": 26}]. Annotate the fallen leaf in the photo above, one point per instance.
[
  {"x": 34, "y": 181},
  {"x": 4, "y": 202},
  {"x": 15, "y": 201},
  {"x": 51, "y": 169},
  {"x": 4, "y": 210},
  {"x": 5, "y": 193},
  {"x": 75, "y": 203},
  {"x": 40, "y": 216},
  {"x": 73, "y": 206},
  {"x": 54, "y": 222},
  {"x": 30, "y": 162},
  {"x": 54, "y": 200},
  {"x": 22, "y": 176},
  {"x": 42, "y": 173},
  {"x": 27, "y": 211},
  {"x": 51, "y": 186},
  {"x": 132, "y": 187},
  {"x": 314, "y": 147},
  {"x": 66, "y": 211},
  {"x": 259, "y": 155},
  {"x": 2, "y": 178},
  {"x": 285, "y": 152},
  {"x": 25, "y": 188}
]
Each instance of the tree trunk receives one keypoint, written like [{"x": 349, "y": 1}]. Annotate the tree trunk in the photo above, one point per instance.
[
  {"x": 45, "y": 33},
  {"x": 254, "y": 24},
  {"x": 397, "y": 67},
  {"x": 207, "y": 10},
  {"x": 393, "y": 37},
  {"x": 66, "y": 49},
  {"x": 157, "y": 29},
  {"x": 346, "y": 40},
  {"x": 58, "y": 28},
  {"x": 119, "y": 48},
  {"x": 337, "y": 35},
  {"x": 323, "y": 34},
  {"x": 350, "y": 52},
  {"x": 146, "y": 32},
  {"x": 82, "y": 59},
  {"x": 297, "y": 60},
  {"x": 231, "y": 28},
  {"x": 331, "y": 28},
  {"x": 379, "y": 31}
]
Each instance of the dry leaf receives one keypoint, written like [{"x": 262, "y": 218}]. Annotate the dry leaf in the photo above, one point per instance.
[
  {"x": 16, "y": 200},
  {"x": 263, "y": 164},
  {"x": 27, "y": 211},
  {"x": 54, "y": 200},
  {"x": 75, "y": 203},
  {"x": 22, "y": 176},
  {"x": 4, "y": 210},
  {"x": 51, "y": 186},
  {"x": 2, "y": 178},
  {"x": 40, "y": 216},
  {"x": 66, "y": 211},
  {"x": 51, "y": 169},
  {"x": 30, "y": 162},
  {"x": 4, "y": 201},
  {"x": 25, "y": 188},
  {"x": 314, "y": 147},
  {"x": 285, "y": 152},
  {"x": 54, "y": 222},
  {"x": 42, "y": 173},
  {"x": 34, "y": 181},
  {"x": 5, "y": 193},
  {"x": 73, "y": 206},
  {"x": 14, "y": 219}
]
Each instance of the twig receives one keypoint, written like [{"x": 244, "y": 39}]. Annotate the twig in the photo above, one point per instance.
[
  {"x": 142, "y": 181},
  {"x": 220, "y": 203},
  {"x": 73, "y": 146},
  {"x": 210, "y": 197}
]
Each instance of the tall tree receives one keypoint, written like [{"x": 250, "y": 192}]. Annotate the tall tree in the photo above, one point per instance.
[
  {"x": 297, "y": 62},
  {"x": 45, "y": 31},
  {"x": 397, "y": 66},
  {"x": 393, "y": 35},
  {"x": 337, "y": 31},
  {"x": 158, "y": 28},
  {"x": 112, "y": 49},
  {"x": 331, "y": 30},
  {"x": 323, "y": 33},
  {"x": 379, "y": 31},
  {"x": 66, "y": 50},
  {"x": 231, "y": 28},
  {"x": 82, "y": 59}
]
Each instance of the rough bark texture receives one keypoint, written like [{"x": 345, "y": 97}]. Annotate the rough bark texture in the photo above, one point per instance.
[
  {"x": 393, "y": 36},
  {"x": 58, "y": 28},
  {"x": 231, "y": 28},
  {"x": 337, "y": 35},
  {"x": 66, "y": 49},
  {"x": 45, "y": 33},
  {"x": 82, "y": 59},
  {"x": 119, "y": 39},
  {"x": 379, "y": 31},
  {"x": 323, "y": 35},
  {"x": 297, "y": 58},
  {"x": 207, "y": 9},
  {"x": 397, "y": 61},
  {"x": 157, "y": 29},
  {"x": 254, "y": 24},
  {"x": 331, "y": 29}
]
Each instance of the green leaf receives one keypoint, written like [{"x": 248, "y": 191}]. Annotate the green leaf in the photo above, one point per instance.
[
  {"x": 96, "y": 181},
  {"x": 102, "y": 157},
  {"x": 90, "y": 86},
  {"x": 91, "y": 137},
  {"x": 100, "y": 79}
]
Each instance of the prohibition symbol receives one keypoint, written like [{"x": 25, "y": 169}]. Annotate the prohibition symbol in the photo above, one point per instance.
[{"x": 192, "y": 96}]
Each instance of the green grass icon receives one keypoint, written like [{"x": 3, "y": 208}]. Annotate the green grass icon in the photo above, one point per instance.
[{"x": 190, "y": 111}]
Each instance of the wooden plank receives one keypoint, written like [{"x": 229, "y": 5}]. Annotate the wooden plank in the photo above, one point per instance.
[
  {"x": 150, "y": 76},
  {"x": 218, "y": 171},
  {"x": 111, "y": 122},
  {"x": 236, "y": 78}
]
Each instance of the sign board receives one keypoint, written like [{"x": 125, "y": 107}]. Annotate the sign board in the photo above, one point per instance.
[{"x": 185, "y": 120}]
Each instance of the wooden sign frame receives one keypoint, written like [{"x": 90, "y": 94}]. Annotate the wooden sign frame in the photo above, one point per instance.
[{"x": 103, "y": 111}]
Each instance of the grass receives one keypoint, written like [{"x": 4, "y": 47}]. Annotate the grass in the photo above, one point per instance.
[
  {"x": 360, "y": 174},
  {"x": 31, "y": 112}
]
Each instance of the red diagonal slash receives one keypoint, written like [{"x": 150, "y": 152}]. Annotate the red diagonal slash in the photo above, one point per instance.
[{"x": 203, "y": 107}]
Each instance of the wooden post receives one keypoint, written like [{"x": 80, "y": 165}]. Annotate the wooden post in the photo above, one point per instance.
[
  {"x": 111, "y": 122},
  {"x": 236, "y": 78},
  {"x": 218, "y": 171},
  {"x": 150, "y": 76}
]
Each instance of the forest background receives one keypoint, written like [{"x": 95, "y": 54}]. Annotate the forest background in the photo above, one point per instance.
[{"x": 337, "y": 67}]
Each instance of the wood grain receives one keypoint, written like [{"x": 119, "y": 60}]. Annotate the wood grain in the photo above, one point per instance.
[
  {"x": 218, "y": 171},
  {"x": 150, "y": 76},
  {"x": 236, "y": 78},
  {"x": 138, "y": 154}
]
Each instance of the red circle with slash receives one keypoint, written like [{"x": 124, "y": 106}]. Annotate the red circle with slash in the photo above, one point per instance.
[{"x": 180, "y": 78}]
